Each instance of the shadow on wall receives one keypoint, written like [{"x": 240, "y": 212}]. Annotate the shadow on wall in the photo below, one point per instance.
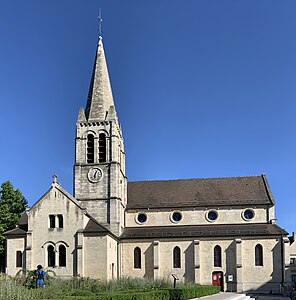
[
  {"x": 275, "y": 284},
  {"x": 149, "y": 263},
  {"x": 74, "y": 255},
  {"x": 189, "y": 262},
  {"x": 231, "y": 268}
]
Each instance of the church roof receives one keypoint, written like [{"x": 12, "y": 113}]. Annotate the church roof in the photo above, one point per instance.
[
  {"x": 100, "y": 104},
  {"x": 15, "y": 232},
  {"x": 199, "y": 192},
  {"x": 93, "y": 226},
  {"x": 23, "y": 220},
  {"x": 199, "y": 231}
]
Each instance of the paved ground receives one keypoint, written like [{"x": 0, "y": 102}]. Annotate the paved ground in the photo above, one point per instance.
[
  {"x": 271, "y": 297},
  {"x": 234, "y": 296},
  {"x": 220, "y": 296}
]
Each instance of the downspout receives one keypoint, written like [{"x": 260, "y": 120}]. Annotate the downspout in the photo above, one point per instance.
[
  {"x": 283, "y": 265},
  {"x": 118, "y": 260},
  {"x": 109, "y": 177}
]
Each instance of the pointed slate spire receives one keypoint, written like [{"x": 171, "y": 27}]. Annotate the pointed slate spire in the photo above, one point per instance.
[
  {"x": 81, "y": 115},
  {"x": 100, "y": 97}
]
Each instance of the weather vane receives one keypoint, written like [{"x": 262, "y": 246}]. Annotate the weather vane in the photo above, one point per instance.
[{"x": 100, "y": 21}]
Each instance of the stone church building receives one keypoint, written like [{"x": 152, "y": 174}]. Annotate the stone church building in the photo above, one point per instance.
[{"x": 204, "y": 230}]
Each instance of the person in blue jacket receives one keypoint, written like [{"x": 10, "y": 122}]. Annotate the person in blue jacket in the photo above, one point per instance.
[{"x": 40, "y": 277}]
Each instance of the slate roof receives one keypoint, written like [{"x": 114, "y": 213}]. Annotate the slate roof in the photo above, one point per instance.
[
  {"x": 23, "y": 220},
  {"x": 202, "y": 231},
  {"x": 93, "y": 226},
  {"x": 199, "y": 192},
  {"x": 15, "y": 232}
]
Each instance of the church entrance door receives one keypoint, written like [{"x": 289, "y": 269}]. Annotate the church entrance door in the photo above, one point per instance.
[{"x": 217, "y": 279}]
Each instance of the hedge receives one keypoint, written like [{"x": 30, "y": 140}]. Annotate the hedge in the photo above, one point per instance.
[{"x": 160, "y": 294}]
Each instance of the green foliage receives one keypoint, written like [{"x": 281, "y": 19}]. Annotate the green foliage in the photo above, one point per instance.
[
  {"x": 12, "y": 204},
  {"x": 28, "y": 278},
  {"x": 91, "y": 289}
]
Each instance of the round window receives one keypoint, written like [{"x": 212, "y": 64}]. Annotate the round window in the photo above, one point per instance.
[
  {"x": 176, "y": 216},
  {"x": 212, "y": 215},
  {"x": 248, "y": 214},
  {"x": 141, "y": 218}
]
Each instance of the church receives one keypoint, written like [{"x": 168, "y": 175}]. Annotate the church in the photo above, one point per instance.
[{"x": 218, "y": 231}]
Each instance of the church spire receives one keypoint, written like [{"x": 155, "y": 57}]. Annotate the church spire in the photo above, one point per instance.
[{"x": 100, "y": 102}]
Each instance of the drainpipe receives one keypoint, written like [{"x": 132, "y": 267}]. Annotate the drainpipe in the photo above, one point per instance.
[{"x": 283, "y": 265}]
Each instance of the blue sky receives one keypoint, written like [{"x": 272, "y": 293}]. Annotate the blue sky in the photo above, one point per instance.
[{"x": 203, "y": 88}]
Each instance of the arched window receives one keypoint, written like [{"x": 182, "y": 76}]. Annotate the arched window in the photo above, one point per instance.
[
  {"x": 258, "y": 255},
  {"x": 102, "y": 147},
  {"x": 217, "y": 256},
  {"x": 90, "y": 149},
  {"x": 60, "y": 221},
  {"x": 62, "y": 256},
  {"x": 137, "y": 258},
  {"x": 177, "y": 257},
  {"x": 50, "y": 256}
]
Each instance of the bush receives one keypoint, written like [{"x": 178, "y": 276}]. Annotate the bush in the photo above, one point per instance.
[
  {"x": 90, "y": 289},
  {"x": 158, "y": 294},
  {"x": 193, "y": 292}
]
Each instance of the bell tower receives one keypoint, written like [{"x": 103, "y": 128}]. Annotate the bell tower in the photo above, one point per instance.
[{"x": 100, "y": 183}]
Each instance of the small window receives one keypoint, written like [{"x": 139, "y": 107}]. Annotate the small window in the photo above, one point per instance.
[
  {"x": 90, "y": 149},
  {"x": 62, "y": 256},
  {"x": 258, "y": 255},
  {"x": 19, "y": 259},
  {"x": 177, "y": 257},
  {"x": 102, "y": 147},
  {"x": 176, "y": 216},
  {"x": 212, "y": 215},
  {"x": 51, "y": 256},
  {"x": 51, "y": 221},
  {"x": 293, "y": 278},
  {"x": 137, "y": 258},
  {"x": 217, "y": 256},
  {"x": 60, "y": 221},
  {"x": 248, "y": 214},
  {"x": 141, "y": 218}
]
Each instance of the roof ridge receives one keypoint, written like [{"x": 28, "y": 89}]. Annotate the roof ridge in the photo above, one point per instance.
[
  {"x": 218, "y": 177},
  {"x": 204, "y": 225}
]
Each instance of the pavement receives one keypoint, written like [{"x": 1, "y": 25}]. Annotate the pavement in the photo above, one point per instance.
[{"x": 236, "y": 296}]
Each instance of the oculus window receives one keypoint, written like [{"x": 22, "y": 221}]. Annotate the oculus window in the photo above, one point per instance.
[
  {"x": 176, "y": 216},
  {"x": 212, "y": 215},
  {"x": 141, "y": 218},
  {"x": 248, "y": 214}
]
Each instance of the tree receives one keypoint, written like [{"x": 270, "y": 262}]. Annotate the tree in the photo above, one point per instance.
[{"x": 12, "y": 204}]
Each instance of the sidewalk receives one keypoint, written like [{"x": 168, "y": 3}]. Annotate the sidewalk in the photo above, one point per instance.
[
  {"x": 226, "y": 295},
  {"x": 235, "y": 296}
]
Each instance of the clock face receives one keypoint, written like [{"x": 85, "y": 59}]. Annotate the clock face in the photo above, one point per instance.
[{"x": 94, "y": 174}]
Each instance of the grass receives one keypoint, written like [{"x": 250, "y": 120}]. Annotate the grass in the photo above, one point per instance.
[{"x": 22, "y": 288}]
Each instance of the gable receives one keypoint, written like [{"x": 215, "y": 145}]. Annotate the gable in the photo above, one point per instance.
[{"x": 200, "y": 192}]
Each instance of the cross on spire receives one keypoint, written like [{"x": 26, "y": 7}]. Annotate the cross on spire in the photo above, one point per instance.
[
  {"x": 100, "y": 22},
  {"x": 54, "y": 176}
]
